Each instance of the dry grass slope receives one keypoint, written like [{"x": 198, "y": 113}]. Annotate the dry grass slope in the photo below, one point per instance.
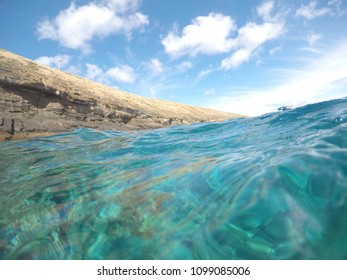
[{"x": 35, "y": 98}]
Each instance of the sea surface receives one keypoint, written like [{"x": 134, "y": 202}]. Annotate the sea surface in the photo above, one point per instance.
[{"x": 270, "y": 187}]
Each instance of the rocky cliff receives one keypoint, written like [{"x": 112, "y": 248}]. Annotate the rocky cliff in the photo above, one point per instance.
[{"x": 35, "y": 99}]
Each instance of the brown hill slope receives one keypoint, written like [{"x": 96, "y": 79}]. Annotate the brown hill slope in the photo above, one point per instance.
[{"x": 37, "y": 99}]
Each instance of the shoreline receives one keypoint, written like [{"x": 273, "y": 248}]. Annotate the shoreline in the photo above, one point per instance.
[
  {"x": 37, "y": 101},
  {"x": 5, "y": 136}
]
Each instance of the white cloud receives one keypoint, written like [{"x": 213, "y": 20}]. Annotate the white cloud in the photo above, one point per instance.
[
  {"x": 155, "y": 66},
  {"x": 212, "y": 35},
  {"x": 184, "y": 66},
  {"x": 76, "y": 26},
  {"x": 250, "y": 38},
  {"x": 323, "y": 78},
  {"x": 123, "y": 6},
  {"x": 73, "y": 69},
  {"x": 206, "y": 35},
  {"x": 335, "y": 2},
  {"x": 337, "y": 10},
  {"x": 152, "y": 92},
  {"x": 123, "y": 73},
  {"x": 310, "y": 11},
  {"x": 94, "y": 72},
  {"x": 202, "y": 74},
  {"x": 340, "y": 83},
  {"x": 313, "y": 38},
  {"x": 237, "y": 58},
  {"x": 57, "y": 61},
  {"x": 275, "y": 50},
  {"x": 259, "y": 62},
  {"x": 265, "y": 10},
  {"x": 209, "y": 92}
]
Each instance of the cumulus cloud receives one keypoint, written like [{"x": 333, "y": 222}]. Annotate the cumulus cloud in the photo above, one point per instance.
[
  {"x": 253, "y": 35},
  {"x": 237, "y": 58},
  {"x": 57, "y": 61},
  {"x": 213, "y": 34},
  {"x": 311, "y": 11},
  {"x": 249, "y": 39},
  {"x": 94, "y": 72},
  {"x": 123, "y": 73},
  {"x": 205, "y": 35},
  {"x": 76, "y": 26}
]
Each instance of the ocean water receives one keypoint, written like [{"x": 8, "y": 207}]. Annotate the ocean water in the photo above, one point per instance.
[{"x": 270, "y": 187}]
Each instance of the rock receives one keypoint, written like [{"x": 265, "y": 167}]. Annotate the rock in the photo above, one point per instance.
[
  {"x": 56, "y": 108},
  {"x": 35, "y": 98},
  {"x": 11, "y": 131},
  {"x": 111, "y": 115},
  {"x": 126, "y": 117}
]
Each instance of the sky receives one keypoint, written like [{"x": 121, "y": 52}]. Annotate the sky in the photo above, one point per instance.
[{"x": 242, "y": 56}]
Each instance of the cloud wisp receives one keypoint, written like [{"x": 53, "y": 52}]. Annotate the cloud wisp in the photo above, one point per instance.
[
  {"x": 154, "y": 66},
  {"x": 311, "y": 11},
  {"x": 313, "y": 38},
  {"x": 76, "y": 26},
  {"x": 323, "y": 78}
]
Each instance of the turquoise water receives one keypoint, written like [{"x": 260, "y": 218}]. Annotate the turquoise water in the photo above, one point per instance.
[{"x": 271, "y": 187}]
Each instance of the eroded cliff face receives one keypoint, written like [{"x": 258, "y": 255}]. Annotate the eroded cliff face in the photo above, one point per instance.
[{"x": 37, "y": 99}]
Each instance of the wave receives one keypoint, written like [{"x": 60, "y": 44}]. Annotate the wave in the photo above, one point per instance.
[{"x": 270, "y": 187}]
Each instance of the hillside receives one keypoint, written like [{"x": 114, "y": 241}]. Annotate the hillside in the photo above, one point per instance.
[{"x": 35, "y": 100}]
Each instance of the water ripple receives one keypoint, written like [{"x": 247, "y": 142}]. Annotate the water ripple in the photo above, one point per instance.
[{"x": 271, "y": 187}]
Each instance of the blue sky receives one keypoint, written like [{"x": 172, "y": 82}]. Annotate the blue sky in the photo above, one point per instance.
[{"x": 247, "y": 57}]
